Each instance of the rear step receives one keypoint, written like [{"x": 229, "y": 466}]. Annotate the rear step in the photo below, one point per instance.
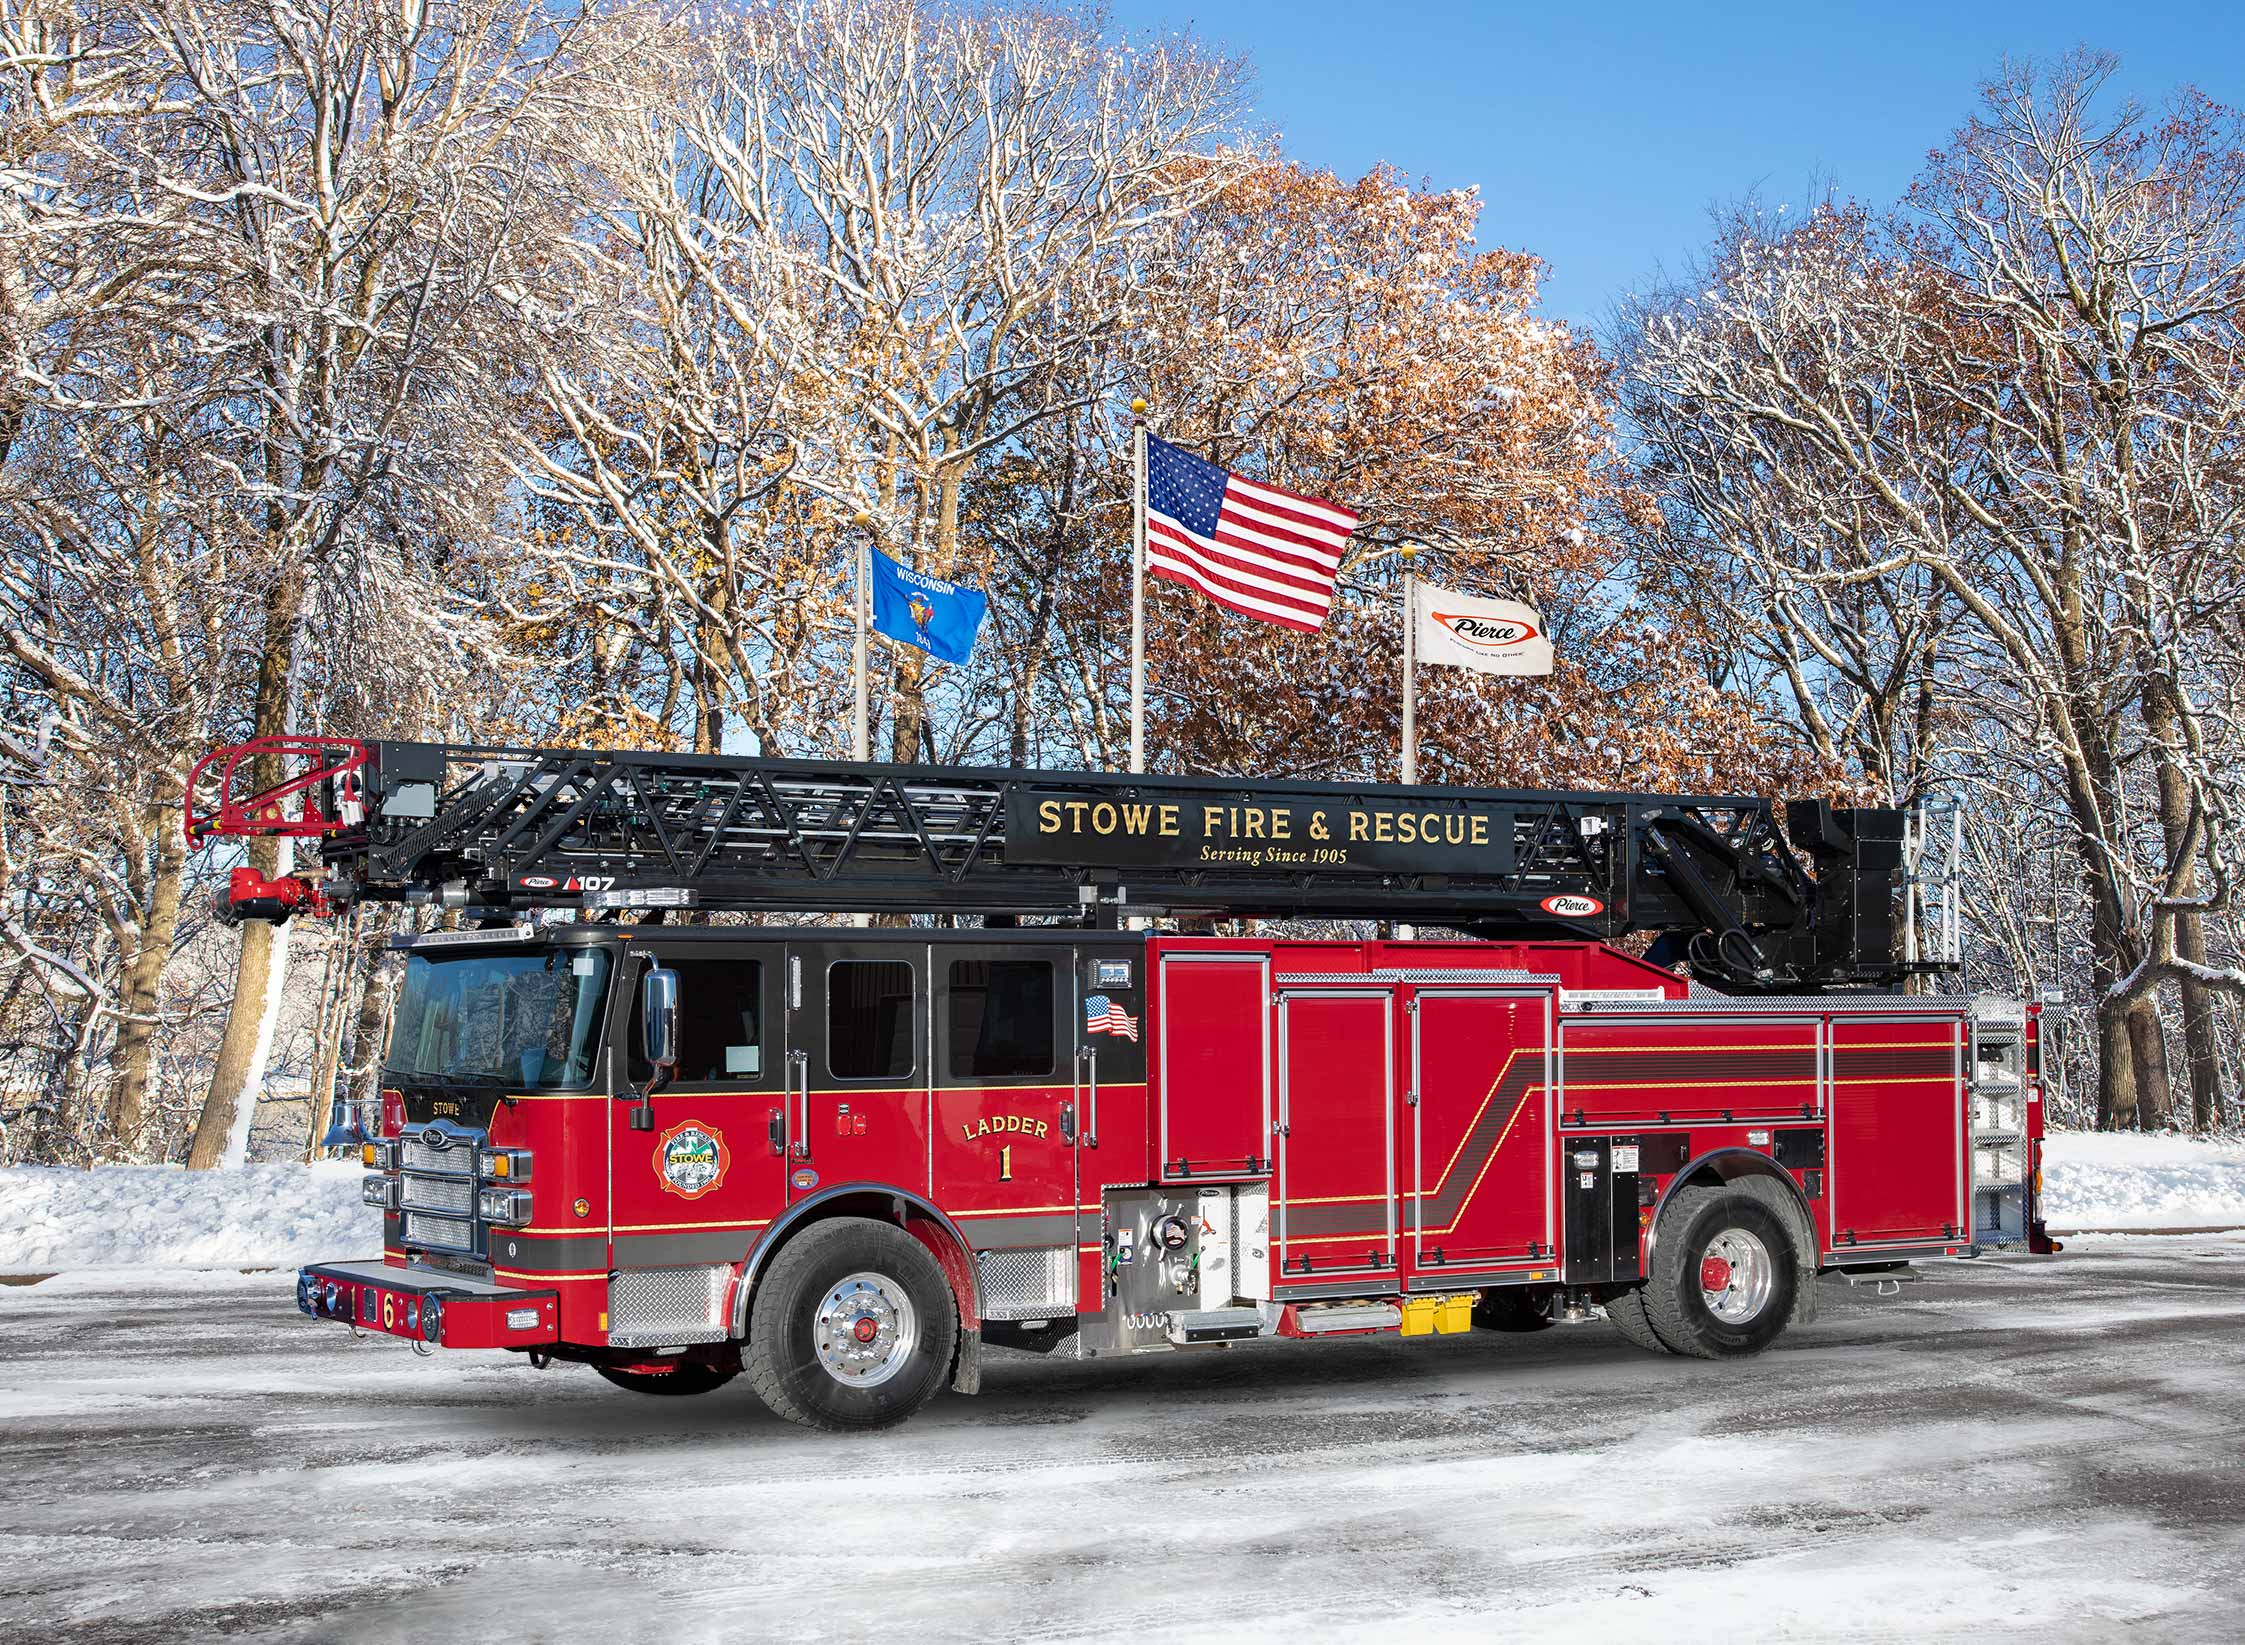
[{"x": 1887, "y": 1277}]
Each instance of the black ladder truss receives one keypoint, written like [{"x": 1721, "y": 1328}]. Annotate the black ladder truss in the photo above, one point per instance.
[{"x": 1716, "y": 879}]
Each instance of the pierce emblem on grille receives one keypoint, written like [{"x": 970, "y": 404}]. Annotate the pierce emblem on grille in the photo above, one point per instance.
[
  {"x": 435, "y": 1137},
  {"x": 692, "y": 1159}
]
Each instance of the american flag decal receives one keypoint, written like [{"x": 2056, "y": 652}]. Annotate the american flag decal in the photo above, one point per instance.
[
  {"x": 1103, "y": 1016},
  {"x": 1249, "y": 547}
]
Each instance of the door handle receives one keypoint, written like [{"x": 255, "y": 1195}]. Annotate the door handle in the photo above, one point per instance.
[
  {"x": 775, "y": 1127},
  {"x": 1088, "y": 1057},
  {"x": 802, "y": 1062}
]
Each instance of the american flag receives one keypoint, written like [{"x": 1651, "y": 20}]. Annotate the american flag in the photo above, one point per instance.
[
  {"x": 1253, "y": 548},
  {"x": 1103, "y": 1016}
]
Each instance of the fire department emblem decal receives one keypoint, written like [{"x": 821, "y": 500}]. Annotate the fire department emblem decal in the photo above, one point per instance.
[{"x": 691, "y": 1159}]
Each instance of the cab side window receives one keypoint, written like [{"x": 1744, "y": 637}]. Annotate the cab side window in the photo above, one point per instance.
[
  {"x": 999, "y": 1017},
  {"x": 720, "y": 1021},
  {"x": 869, "y": 1019}
]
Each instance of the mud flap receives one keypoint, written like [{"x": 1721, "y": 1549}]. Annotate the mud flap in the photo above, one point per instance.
[{"x": 966, "y": 1368}]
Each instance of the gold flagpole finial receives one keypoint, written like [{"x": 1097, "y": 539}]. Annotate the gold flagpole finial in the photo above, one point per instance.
[{"x": 1138, "y": 408}]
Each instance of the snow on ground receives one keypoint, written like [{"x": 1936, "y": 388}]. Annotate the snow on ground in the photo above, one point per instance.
[
  {"x": 2130, "y": 1180},
  {"x": 117, "y": 1216},
  {"x": 2017, "y": 1449},
  {"x": 274, "y": 1216}
]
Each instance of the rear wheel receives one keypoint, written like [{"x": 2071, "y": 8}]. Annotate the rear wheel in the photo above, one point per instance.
[
  {"x": 679, "y": 1380},
  {"x": 1628, "y": 1315},
  {"x": 853, "y": 1326},
  {"x": 1724, "y": 1275}
]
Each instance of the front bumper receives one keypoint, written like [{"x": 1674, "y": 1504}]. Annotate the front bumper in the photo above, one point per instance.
[{"x": 425, "y": 1305}]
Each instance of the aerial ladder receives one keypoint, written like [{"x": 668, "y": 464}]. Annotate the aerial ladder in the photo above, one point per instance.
[{"x": 1750, "y": 895}]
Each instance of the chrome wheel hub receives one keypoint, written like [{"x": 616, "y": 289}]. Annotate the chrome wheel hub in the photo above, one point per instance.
[
  {"x": 1736, "y": 1274},
  {"x": 865, "y": 1330}
]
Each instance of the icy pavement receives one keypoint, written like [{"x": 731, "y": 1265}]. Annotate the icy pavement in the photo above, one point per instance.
[{"x": 2012, "y": 1449}]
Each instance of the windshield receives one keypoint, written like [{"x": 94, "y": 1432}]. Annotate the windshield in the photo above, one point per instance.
[{"x": 526, "y": 1020}]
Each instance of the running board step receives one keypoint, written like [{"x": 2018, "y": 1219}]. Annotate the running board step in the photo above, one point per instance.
[
  {"x": 1370, "y": 1316},
  {"x": 1215, "y": 1325}
]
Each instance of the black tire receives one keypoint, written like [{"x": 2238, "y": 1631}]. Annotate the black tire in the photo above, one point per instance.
[
  {"x": 1510, "y": 1308},
  {"x": 1696, "y": 1225},
  {"x": 682, "y": 1379},
  {"x": 1628, "y": 1315},
  {"x": 784, "y": 1354}
]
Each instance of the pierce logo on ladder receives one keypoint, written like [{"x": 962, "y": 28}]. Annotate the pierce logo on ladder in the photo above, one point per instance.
[{"x": 1103, "y": 1016}]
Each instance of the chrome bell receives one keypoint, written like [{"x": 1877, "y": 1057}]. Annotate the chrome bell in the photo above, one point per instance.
[{"x": 343, "y": 1128}]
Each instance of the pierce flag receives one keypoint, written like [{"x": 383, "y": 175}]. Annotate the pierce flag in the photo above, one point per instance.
[
  {"x": 939, "y": 617},
  {"x": 1493, "y": 636}
]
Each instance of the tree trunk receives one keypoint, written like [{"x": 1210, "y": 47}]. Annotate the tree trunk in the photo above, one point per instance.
[
  {"x": 377, "y": 994},
  {"x": 327, "y": 1048},
  {"x": 2201, "y": 1046},
  {"x": 142, "y": 996},
  {"x": 2116, "y": 1078},
  {"x": 2147, "y": 1044},
  {"x": 222, "y": 1130},
  {"x": 239, "y": 1069}
]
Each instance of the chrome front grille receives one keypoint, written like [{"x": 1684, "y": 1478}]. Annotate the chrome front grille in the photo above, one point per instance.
[
  {"x": 456, "y": 1161},
  {"x": 444, "y": 1233},
  {"x": 437, "y": 1187},
  {"x": 455, "y": 1196}
]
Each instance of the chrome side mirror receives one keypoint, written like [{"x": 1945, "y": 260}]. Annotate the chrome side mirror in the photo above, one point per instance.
[{"x": 658, "y": 1018}]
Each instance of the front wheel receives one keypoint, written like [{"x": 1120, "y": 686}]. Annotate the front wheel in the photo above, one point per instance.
[
  {"x": 853, "y": 1326},
  {"x": 1724, "y": 1275}
]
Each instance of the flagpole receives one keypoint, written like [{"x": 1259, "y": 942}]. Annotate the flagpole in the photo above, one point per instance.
[
  {"x": 1138, "y": 585},
  {"x": 1410, "y": 552},
  {"x": 1406, "y": 932},
  {"x": 861, "y": 730}
]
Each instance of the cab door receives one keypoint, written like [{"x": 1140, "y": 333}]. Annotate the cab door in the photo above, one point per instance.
[
  {"x": 1006, "y": 1126},
  {"x": 710, "y": 1174},
  {"x": 858, "y": 1052}
]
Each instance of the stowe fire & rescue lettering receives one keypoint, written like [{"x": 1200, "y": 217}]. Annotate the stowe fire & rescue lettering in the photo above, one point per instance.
[{"x": 844, "y": 1161}]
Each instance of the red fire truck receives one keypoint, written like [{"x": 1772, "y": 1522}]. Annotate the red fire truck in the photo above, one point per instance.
[{"x": 677, "y": 1138}]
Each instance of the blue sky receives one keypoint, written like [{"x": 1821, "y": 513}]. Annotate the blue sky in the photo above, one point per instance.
[{"x": 1599, "y": 136}]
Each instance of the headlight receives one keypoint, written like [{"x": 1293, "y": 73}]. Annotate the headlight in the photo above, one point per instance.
[
  {"x": 382, "y": 1191},
  {"x": 504, "y": 1207},
  {"x": 503, "y": 1164},
  {"x": 379, "y": 1156}
]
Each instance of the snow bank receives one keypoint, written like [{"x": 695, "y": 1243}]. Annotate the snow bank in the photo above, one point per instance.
[
  {"x": 2093, "y": 1179},
  {"x": 258, "y": 1216},
  {"x": 274, "y": 1216}
]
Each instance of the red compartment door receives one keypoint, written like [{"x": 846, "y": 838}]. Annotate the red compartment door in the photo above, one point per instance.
[
  {"x": 1337, "y": 1155},
  {"x": 1479, "y": 1115},
  {"x": 1898, "y": 1131},
  {"x": 1214, "y": 1059}
]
